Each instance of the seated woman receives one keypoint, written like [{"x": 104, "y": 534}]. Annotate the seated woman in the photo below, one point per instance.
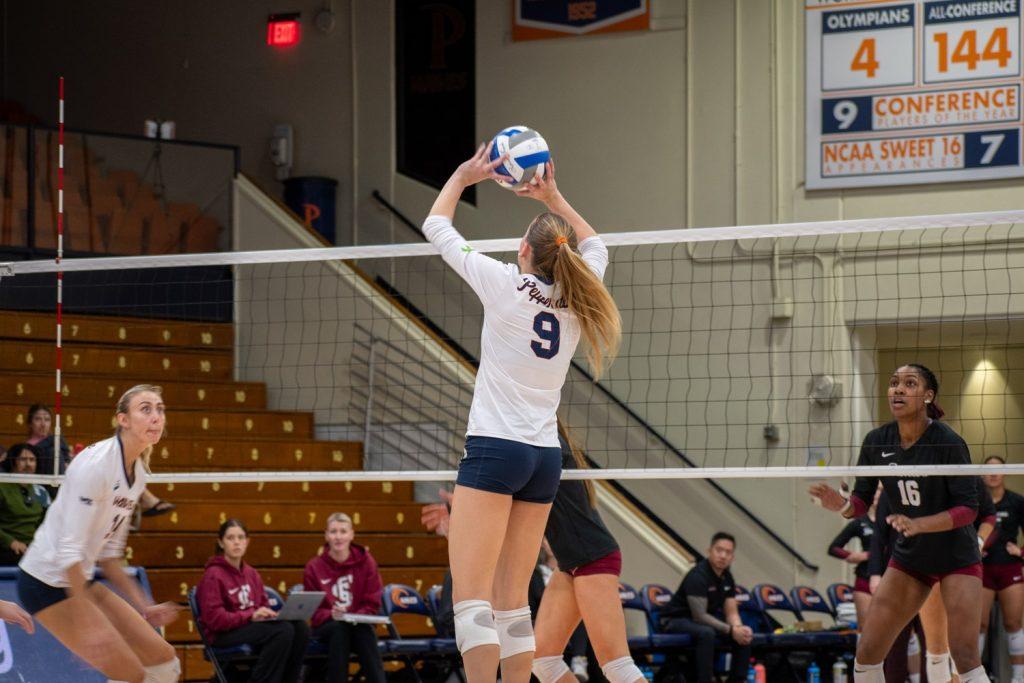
[
  {"x": 22, "y": 506},
  {"x": 348, "y": 573},
  {"x": 39, "y": 421},
  {"x": 235, "y": 611}
]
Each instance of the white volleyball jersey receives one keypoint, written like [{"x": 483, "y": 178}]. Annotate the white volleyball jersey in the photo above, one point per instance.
[
  {"x": 526, "y": 343},
  {"x": 89, "y": 520}
]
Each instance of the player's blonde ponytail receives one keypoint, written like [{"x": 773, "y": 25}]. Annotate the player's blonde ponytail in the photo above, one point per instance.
[
  {"x": 124, "y": 403},
  {"x": 554, "y": 246}
]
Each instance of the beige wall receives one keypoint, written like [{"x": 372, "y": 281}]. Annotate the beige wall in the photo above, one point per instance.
[{"x": 205, "y": 65}]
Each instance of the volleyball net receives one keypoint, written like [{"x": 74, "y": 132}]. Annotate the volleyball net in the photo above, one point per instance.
[{"x": 757, "y": 351}]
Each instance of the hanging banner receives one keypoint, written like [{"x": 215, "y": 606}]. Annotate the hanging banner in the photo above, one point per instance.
[
  {"x": 912, "y": 91},
  {"x": 537, "y": 19}
]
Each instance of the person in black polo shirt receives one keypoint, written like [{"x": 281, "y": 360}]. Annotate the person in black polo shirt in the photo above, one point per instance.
[{"x": 704, "y": 606}]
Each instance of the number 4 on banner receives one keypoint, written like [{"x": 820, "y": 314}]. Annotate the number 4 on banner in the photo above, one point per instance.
[{"x": 865, "y": 60}]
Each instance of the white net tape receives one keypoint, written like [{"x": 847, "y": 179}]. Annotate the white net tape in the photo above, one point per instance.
[{"x": 753, "y": 352}]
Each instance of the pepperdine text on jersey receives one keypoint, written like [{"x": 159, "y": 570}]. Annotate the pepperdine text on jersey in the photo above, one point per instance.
[{"x": 537, "y": 296}]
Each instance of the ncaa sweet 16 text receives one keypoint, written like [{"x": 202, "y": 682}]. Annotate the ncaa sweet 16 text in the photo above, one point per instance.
[{"x": 912, "y": 91}]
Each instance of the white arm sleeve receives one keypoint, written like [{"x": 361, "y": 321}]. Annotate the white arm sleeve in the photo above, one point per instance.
[
  {"x": 85, "y": 490},
  {"x": 595, "y": 254},
  {"x": 485, "y": 275}
]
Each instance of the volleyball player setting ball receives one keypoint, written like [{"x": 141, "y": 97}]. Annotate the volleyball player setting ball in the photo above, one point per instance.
[
  {"x": 86, "y": 527},
  {"x": 534, "y": 315},
  {"x": 937, "y": 543}
]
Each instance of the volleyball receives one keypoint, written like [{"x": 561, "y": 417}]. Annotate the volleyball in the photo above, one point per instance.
[{"x": 527, "y": 153}]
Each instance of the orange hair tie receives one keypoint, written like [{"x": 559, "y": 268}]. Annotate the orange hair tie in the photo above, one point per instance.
[{"x": 560, "y": 240}]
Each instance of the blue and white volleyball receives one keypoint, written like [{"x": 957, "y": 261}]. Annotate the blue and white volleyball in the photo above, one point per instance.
[{"x": 527, "y": 153}]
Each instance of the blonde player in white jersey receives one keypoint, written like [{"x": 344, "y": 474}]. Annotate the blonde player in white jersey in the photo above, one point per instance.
[
  {"x": 87, "y": 527},
  {"x": 534, "y": 316}
]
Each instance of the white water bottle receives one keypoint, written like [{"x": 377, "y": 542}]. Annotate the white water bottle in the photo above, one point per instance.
[{"x": 839, "y": 672}]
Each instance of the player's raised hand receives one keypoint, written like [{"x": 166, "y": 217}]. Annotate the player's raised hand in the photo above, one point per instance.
[
  {"x": 480, "y": 167},
  {"x": 543, "y": 189},
  {"x": 827, "y": 497}
]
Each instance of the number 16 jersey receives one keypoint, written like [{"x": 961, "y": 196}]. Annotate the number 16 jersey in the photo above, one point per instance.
[
  {"x": 921, "y": 496},
  {"x": 528, "y": 339}
]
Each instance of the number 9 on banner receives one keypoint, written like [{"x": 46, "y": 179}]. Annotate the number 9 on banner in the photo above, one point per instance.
[{"x": 846, "y": 115}]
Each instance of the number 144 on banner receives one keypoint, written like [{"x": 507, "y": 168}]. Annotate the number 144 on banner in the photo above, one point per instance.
[{"x": 912, "y": 67}]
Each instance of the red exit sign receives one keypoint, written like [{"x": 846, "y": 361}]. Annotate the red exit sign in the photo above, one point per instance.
[{"x": 283, "y": 29}]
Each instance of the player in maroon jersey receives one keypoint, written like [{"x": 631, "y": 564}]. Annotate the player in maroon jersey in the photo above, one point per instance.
[{"x": 933, "y": 515}]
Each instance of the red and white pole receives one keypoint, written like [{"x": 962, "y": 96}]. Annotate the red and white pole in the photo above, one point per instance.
[{"x": 60, "y": 275}]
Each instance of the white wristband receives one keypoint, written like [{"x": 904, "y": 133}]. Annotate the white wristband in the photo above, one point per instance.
[{"x": 846, "y": 508}]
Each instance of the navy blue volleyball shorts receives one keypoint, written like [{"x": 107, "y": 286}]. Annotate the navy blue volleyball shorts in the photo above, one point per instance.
[
  {"x": 34, "y": 595},
  {"x": 525, "y": 472}
]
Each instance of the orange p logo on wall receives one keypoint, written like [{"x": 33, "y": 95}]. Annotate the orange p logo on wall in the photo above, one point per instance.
[
  {"x": 310, "y": 213},
  {"x": 532, "y": 20}
]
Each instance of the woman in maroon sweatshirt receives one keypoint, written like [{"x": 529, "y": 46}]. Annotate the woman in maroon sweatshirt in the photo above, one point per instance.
[
  {"x": 235, "y": 611},
  {"x": 348, "y": 573}
]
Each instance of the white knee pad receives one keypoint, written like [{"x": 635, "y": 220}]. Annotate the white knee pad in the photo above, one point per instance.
[
  {"x": 913, "y": 645},
  {"x": 976, "y": 675},
  {"x": 168, "y": 672},
  {"x": 515, "y": 631},
  {"x": 474, "y": 625},
  {"x": 622, "y": 670},
  {"x": 868, "y": 673},
  {"x": 1015, "y": 642},
  {"x": 550, "y": 669},
  {"x": 937, "y": 668}
]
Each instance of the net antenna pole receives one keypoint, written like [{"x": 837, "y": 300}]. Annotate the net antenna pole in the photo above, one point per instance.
[{"x": 60, "y": 274}]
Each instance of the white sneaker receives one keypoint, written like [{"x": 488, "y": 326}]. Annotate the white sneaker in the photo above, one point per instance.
[{"x": 579, "y": 669}]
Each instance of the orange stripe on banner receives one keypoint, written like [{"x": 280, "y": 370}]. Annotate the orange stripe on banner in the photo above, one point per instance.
[
  {"x": 844, "y": 5},
  {"x": 641, "y": 22}
]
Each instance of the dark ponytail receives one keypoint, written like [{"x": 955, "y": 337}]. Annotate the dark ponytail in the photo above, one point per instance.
[{"x": 933, "y": 408}]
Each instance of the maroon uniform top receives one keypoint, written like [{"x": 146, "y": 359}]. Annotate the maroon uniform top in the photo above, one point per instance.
[
  {"x": 227, "y": 596},
  {"x": 922, "y": 495},
  {"x": 353, "y": 584}
]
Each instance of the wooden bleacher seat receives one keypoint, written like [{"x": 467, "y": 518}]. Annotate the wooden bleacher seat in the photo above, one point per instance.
[
  {"x": 198, "y": 455},
  {"x": 101, "y": 360},
  {"x": 81, "y": 231},
  {"x": 343, "y": 494},
  {"x": 203, "y": 235},
  {"x": 198, "y": 515},
  {"x": 126, "y": 182},
  {"x": 191, "y": 549},
  {"x": 110, "y": 330},
  {"x": 99, "y": 392},
  {"x": 216, "y": 423},
  {"x": 127, "y": 233}
]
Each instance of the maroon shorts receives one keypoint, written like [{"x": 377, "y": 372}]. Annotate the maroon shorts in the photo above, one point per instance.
[
  {"x": 609, "y": 564},
  {"x": 998, "y": 577},
  {"x": 932, "y": 579},
  {"x": 862, "y": 586}
]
